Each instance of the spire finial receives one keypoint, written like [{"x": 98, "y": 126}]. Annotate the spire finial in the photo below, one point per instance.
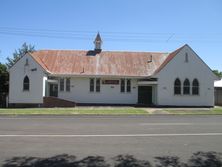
[{"x": 98, "y": 42}]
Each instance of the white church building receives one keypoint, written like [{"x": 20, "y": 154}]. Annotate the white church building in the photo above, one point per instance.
[{"x": 52, "y": 78}]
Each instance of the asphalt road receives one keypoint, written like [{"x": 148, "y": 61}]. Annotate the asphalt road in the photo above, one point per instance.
[{"x": 108, "y": 136}]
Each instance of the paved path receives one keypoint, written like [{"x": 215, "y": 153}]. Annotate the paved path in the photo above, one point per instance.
[{"x": 142, "y": 136}]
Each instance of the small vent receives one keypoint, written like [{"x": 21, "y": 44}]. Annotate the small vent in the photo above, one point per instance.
[
  {"x": 26, "y": 62},
  {"x": 186, "y": 58},
  {"x": 150, "y": 59}
]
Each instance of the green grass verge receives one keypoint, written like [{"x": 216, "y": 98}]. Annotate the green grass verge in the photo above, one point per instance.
[
  {"x": 74, "y": 111},
  {"x": 211, "y": 111},
  {"x": 109, "y": 111}
]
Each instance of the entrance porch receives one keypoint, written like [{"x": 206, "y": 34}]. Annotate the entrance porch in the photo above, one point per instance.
[{"x": 147, "y": 92}]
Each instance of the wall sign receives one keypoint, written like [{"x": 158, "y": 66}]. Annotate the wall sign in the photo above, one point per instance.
[{"x": 110, "y": 82}]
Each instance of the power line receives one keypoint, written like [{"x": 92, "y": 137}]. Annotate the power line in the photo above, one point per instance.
[{"x": 113, "y": 36}]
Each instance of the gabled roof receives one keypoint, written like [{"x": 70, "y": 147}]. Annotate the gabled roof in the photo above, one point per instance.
[
  {"x": 169, "y": 58},
  {"x": 105, "y": 63}
]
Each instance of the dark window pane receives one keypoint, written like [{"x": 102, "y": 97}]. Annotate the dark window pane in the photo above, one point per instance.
[
  {"x": 97, "y": 85},
  {"x": 122, "y": 85},
  {"x": 26, "y": 84},
  {"x": 128, "y": 88},
  {"x": 195, "y": 87},
  {"x": 177, "y": 87},
  {"x": 195, "y": 90},
  {"x": 61, "y": 84},
  {"x": 68, "y": 84},
  {"x": 186, "y": 87},
  {"x": 91, "y": 87}
]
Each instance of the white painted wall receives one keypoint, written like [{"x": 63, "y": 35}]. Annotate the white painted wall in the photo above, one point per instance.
[
  {"x": 218, "y": 83},
  {"x": 80, "y": 93},
  {"x": 178, "y": 68},
  {"x": 163, "y": 93},
  {"x": 17, "y": 74}
]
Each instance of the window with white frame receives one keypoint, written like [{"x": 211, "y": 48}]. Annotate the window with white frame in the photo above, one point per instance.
[
  {"x": 177, "y": 87},
  {"x": 61, "y": 84},
  {"x": 195, "y": 87},
  {"x": 68, "y": 84},
  {"x": 97, "y": 84},
  {"x": 128, "y": 85},
  {"x": 122, "y": 85},
  {"x": 186, "y": 87},
  {"x": 91, "y": 84}
]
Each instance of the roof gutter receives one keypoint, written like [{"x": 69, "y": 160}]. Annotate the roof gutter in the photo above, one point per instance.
[{"x": 97, "y": 76}]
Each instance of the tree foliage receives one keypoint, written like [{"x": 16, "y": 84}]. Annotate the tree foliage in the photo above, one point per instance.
[
  {"x": 217, "y": 73},
  {"x": 18, "y": 54},
  {"x": 4, "y": 84},
  {"x": 4, "y": 78}
]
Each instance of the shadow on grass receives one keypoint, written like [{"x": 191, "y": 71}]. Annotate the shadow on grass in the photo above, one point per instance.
[{"x": 199, "y": 159}]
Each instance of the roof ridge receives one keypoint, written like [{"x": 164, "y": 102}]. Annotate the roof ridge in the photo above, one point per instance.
[{"x": 105, "y": 51}]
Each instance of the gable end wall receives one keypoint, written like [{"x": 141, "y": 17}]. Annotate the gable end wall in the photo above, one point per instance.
[
  {"x": 178, "y": 68},
  {"x": 17, "y": 74}
]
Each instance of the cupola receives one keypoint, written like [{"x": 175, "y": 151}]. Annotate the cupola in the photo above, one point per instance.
[{"x": 98, "y": 43}]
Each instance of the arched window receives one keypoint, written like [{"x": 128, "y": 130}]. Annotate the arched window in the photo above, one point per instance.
[
  {"x": 186, "y": 87},
  {"x": 195, "y": 87},
  {"x": 177, "y": 87},
  {"x": 26, "y": 83}
]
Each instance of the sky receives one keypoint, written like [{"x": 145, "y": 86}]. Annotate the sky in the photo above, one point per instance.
[{"x": 124, "y": 25}]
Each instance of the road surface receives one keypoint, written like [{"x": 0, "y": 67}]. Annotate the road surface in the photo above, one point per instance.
[{"x": 108, "y": 136}]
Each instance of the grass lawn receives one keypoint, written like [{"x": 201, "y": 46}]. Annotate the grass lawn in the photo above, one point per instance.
[
  {"x": 75, "y": 111},
  {"x": 211, "y": 111},
  {"x": 112, "y": 111}
]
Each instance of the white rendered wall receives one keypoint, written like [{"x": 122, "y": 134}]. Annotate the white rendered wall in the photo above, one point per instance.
[
  {"x": 17, "y": 74},
  {"x": 178, "y": 68},
  {"x": 80, "y": 93}
]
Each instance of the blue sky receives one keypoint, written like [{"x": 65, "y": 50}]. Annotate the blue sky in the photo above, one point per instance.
[{"x": 133, "y": 25}]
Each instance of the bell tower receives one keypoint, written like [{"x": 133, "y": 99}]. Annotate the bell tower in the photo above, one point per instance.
[{"x": 98, "y": 43}]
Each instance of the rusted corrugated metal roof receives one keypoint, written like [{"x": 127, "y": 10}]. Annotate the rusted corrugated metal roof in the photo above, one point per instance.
[{"x": 110, "y": 63}]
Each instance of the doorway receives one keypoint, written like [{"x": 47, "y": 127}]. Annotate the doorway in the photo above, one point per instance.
[
  {"x": 145, "y": 95},
  {"x": 53, "y": 90}
]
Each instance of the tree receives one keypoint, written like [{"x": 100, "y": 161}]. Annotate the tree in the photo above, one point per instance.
[
  {"x": 18, "y": 54},
  {"x": 4, "y": 84},
  {"x": 217, "y": 73},
  {"x": 4, "y": 78}
]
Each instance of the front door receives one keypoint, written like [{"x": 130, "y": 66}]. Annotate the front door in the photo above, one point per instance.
[
  {"x": 53, "y": 90},
  {"x": 145, "y": 95}
]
